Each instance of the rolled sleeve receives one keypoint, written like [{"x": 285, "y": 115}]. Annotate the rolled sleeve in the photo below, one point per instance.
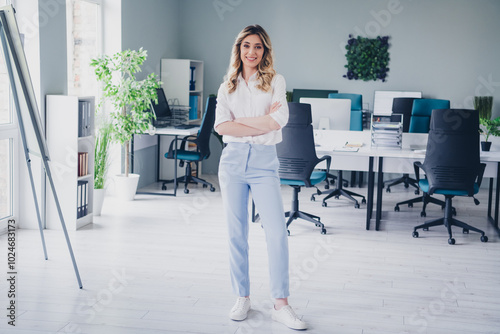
[
  {"x": 279, "y": 95},
  {"x": 222, "y": 112}
]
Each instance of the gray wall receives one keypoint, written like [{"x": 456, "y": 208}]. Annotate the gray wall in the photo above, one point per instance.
[
  {"x": 446, "y": 49},
  {"x": 154, "y": 26}
]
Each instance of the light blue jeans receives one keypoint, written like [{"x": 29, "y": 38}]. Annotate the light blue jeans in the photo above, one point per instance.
[{"x": 251, "y": 167}]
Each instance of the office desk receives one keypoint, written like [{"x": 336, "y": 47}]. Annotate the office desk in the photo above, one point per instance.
[
  {"x": 392, "y": 161},
  {"x": 169, "y": 131}
]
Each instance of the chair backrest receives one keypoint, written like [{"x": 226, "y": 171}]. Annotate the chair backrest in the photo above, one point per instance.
[
  {"x": 296, "y": 152},
  {"x": 452, "y": 159},
  {"x": 320, "y": 93},
  {"x": 422, "y": 111},
  {"x": 356, "y": 109},
  {"x": 207, "y": 123},
  {"x": 403, "y": 106}
]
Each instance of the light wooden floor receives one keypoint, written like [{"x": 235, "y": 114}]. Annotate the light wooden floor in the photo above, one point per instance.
[{"x": 159, "y": 265}]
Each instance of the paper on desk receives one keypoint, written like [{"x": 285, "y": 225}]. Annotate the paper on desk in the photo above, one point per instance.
[{"x": 345, "y": 149}]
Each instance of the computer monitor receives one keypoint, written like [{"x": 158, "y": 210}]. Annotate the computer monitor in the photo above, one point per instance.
[
  {"x": 318, "y": 93},
  {"x": 329, "y": 114},
  {"x": 382, "y": 100},
  {"x": 161, "y": 109}
]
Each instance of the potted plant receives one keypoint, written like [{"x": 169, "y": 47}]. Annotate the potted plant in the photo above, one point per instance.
[
  {"x": 101, "y": 164},
  {"x": 131, "y": 100},
  {"x": 488, "y": 127}
]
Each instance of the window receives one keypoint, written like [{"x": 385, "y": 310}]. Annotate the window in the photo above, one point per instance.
[{"x": 84, "y": 43}]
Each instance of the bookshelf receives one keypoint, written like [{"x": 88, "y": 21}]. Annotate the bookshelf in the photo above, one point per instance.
[
  {"x": 70, "y": 140},
  {"x": 176, "y": 78}
]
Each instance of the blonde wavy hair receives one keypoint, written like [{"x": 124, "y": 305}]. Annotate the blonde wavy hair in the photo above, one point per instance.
[{"x": 265, "y": 69}]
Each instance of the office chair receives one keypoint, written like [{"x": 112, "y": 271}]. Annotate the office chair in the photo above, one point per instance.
[
  {"x": 202, "y": 141},
  {"x": 419, "y": 123},
  {"x": 356, "y": 122},
  {"x": 297, "y": 157},
  {"x": 403, "y": 106},
  {"x": 452, "y": 166},
  {"x": 317, "y": 93}
]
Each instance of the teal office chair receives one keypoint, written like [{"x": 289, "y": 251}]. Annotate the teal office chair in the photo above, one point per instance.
[
  {"x": 202, "y": 142},
  {"x": 297, "y": 157},
  {"x": 419, "y": 123},
  {"x": 452, "y": 166}
]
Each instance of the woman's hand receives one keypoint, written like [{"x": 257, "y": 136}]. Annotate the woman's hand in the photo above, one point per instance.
[{"x": 274, "y": 107}]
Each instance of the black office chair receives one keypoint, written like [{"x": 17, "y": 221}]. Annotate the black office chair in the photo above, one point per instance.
[
  {"x": 420, "y": 123},
  {"x": 403, "y": 106},
  {"x": 297, "y": 157},
  {"x": 202, "y": 141},
  {"x": 452, "y": 166}
]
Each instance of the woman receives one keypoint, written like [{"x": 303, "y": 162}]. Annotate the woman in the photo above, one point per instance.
[{"x": 251, "y": 110}]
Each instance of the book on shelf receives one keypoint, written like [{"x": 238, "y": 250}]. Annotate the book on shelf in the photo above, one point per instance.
[
  {"x": 82, "y": 199},
  {"x": 193, "y": 104},
  {"x": 84, "y": 118},
  {"x": 83, "y": 163}
]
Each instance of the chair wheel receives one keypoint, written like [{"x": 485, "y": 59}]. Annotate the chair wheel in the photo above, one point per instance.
[
  {"x": 423, "y": 214},
  {"x": 417, "y": 192},
  {"x": 313, "y": 198},
  {"x": 451, "y": 241},
  {"x": 388, "y": 190},
  {"x": 288, "y": 231},
  {"x": 356, "y": 206},
  {"x": 410, "y": 205},
  {"x": 465, "y": 231},
  {"x": 415, "y": 234},
  {"x": 337, "y": 197},
  {"x": 323, "y": 204},
  {"x": 363, "y": 201},
  {"x": 425, "y": 229},
  {"x": 406, "y": 185},
  {"x": 396, "y": 208},
  {"x": 327, "y": 186},
  {"x": 186, "y": 191},
  {"x": 345, "y": 184},
  {"x": 323, "y": 231},
  {"x": 212, "y": 189},
  {"x": 204, "y": 186},
  {"x": 163, "y": 187},
  {"x": 484, "y": 238}
]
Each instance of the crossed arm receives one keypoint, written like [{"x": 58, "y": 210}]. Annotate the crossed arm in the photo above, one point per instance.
[{"x": 250, "y": 126}]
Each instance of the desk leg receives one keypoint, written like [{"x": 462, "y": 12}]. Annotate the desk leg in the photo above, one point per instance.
[
  {"x": 175, "y": 166},
  {"x": 380, "y": 186},
  {"x": 494, "y": 221},
  {"x": 369, "y": 204}
]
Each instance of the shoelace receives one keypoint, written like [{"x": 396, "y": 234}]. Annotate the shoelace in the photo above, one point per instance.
[{"x": 239, "y": 305}]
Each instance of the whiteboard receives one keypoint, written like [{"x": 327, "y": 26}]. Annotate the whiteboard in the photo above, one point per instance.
[{"x": 23, "y": 95}]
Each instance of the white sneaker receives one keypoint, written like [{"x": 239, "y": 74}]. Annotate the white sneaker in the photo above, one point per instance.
[
  {"x": 240, "y": 309},
  {"x": 287, "y": 317}
]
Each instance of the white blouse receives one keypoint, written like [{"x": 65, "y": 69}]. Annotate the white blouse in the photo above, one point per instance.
[{"x": 249, "y": 101}]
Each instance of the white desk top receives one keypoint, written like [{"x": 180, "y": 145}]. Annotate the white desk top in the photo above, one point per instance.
[{"x": 171, "y": 131}]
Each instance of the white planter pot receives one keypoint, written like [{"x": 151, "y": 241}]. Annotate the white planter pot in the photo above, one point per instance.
[
  {"x": 125, "y": 187},
  {"x": 98, "y": 200}
]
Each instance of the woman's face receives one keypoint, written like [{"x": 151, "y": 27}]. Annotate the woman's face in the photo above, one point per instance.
[{"x": 251, "y": 50}]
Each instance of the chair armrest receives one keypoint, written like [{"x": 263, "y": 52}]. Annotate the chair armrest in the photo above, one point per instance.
[
  {"x": 328, "y": 162},
  {"x": 416, "y": 166},
  {"x": 183, "y": 145},
  {"x": 480, "y": 174}
]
